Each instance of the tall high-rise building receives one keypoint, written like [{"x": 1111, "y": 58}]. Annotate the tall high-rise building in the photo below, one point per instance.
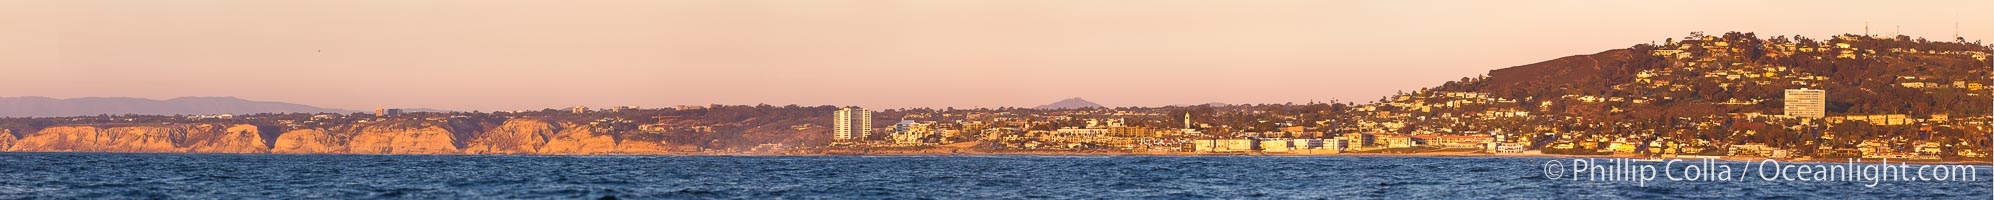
[
  {"x": 383, "y": 112},
  {"x": 1806, "y": 103},
  {"x": 851, "y": 123}
]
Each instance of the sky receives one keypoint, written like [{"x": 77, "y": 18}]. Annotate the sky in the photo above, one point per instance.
[{"x": 510, "y": 55}]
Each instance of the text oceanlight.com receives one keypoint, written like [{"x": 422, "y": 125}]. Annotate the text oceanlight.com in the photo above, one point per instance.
[{"x": 1710, "y": 170}]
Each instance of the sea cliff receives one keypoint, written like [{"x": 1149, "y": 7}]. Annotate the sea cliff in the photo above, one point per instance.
[{"x": 516, "y": 136}]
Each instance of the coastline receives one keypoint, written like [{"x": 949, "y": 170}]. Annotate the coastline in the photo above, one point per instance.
[{"x": 1160, "y": 154}]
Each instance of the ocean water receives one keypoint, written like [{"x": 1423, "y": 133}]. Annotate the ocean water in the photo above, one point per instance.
[{"x": 211, "y": 176}]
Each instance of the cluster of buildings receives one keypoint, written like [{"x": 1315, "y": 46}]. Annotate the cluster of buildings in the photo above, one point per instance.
[
  {"x": 1356, "y": 142},
  {"x": 1124, "y": 131}
]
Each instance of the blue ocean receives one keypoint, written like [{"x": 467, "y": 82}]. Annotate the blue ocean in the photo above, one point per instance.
[{"x": 213, "y": 176}]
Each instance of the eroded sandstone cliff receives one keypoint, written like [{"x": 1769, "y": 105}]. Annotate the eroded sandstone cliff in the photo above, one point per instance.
[
  {"x": 515, "y": 136},
  {"x": 193, "y": 138},
  {"x": 401, "y": 138},
  {"x": 240, "y": 138},
  {"x": 94, "y": 139},
  {"x": 308, "y": 141},
  {"x": 579, "y": 140},
  {"x": 6, "y": 139}
]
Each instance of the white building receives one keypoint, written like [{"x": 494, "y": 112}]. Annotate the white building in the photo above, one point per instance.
[
  {"x": 1508, "y": 147},
  {"x": 1335, "y": 144},
  {"x": 1307, "y": 143},
  {"x": 1224, "y": 145},
  {"x": 1275, "y": 145},
  {"x": 1806, "y": 103},
  {"x": 851, "y": 123}
]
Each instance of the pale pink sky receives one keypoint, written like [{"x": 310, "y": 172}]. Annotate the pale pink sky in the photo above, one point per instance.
[{"x": 505, "y": 55}]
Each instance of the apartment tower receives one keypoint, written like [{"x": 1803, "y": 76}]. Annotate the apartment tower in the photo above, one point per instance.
[
  {"x": 851, "y": 123},
  {"x": 1806, "y": 103}
]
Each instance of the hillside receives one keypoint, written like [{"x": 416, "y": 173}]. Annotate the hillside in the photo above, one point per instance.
[
  {"x": 1728, "y": 89},
  {"x": 1869, "y": 75},
  {"x": 1582, "y": 72}
]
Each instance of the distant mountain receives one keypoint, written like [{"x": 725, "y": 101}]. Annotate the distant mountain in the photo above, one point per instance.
[
  {"x": 86, "y": 106},
  {"x": 1072, "y": 103}
]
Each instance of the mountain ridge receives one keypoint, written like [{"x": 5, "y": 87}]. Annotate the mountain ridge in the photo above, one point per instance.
[
  {"x": 38, "y": 106},
  {"x": 1072, "y": 103}
]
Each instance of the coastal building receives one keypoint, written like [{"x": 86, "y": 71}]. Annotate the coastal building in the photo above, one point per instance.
[
  {"x": 1806, "y": 103},
  {"x": 1509, "y": 147},
  {"x": 384, "y": 112},
  {"x": 1882, "y": 119},
  {"x": 1132, "y": 131},
  {"x": 1335, "y": 144},
  {"x": 1929, "y": 148},
  {"x": 1275, "y": 145},
  {"x": 908, "y": 138},
  {"x": 1459, "y": 141},
  {"x": 1358, "y": 140},
  {"x": 622, "y": 108},
  {"x": 1623, "y": 146},
  {"x": 851, "y": 123},
  {"x": 1224, "y": 145},
  {"x": 1332, "y": 146},
  {"x": 903, "y": 126},
  {"x": 912, "y": 132},
  {"x": 1307, "y": 143},
  {"x": 217, "y": 116},
  {"x": 1081, "y": 132},
  {"x": 1399, "y": 141},
  {"x": 1752, "y": 150}
]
